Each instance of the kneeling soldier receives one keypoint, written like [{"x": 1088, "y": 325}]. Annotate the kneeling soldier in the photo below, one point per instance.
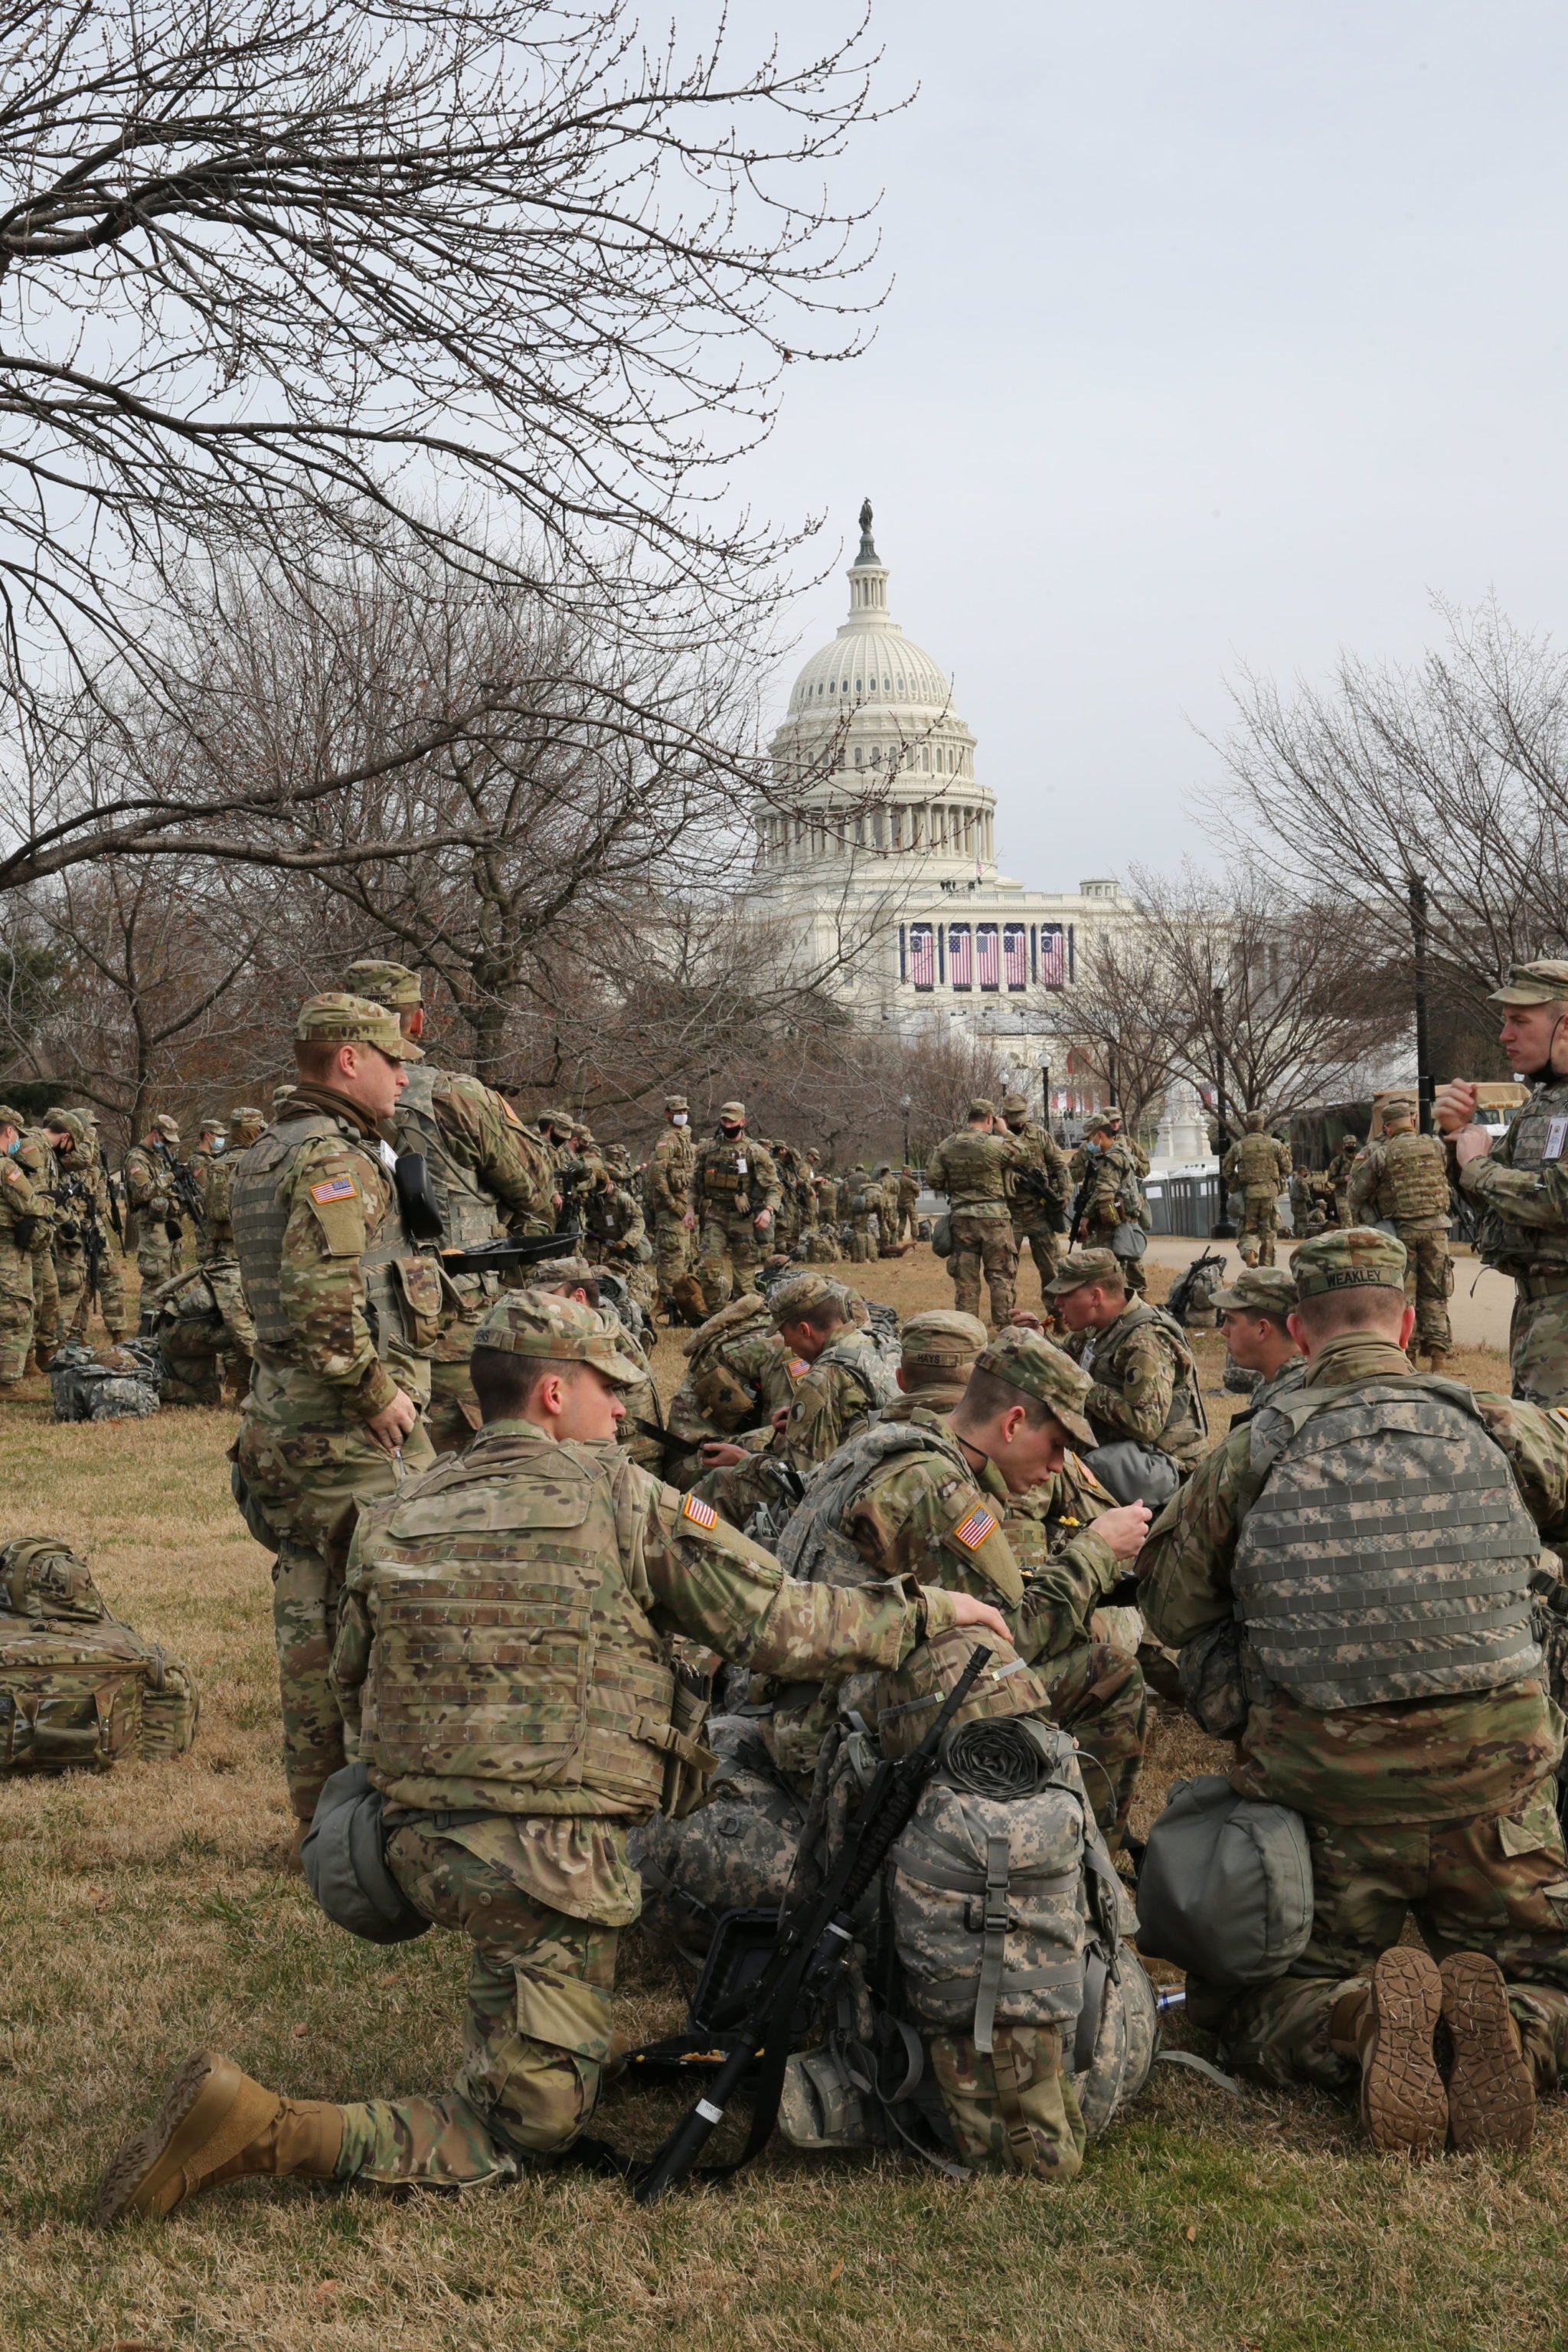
[{"x": 504, "y": 1644}]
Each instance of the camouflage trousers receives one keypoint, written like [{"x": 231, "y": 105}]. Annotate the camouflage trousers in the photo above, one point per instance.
[
  {"x": 674, "y": 1243},
  {"x": 454, "y": 1410},
  {"x": 1497, "y": 1886},
  {"x": 1259, "y": 1228},
  {"x": 536, "y": 2034},
  {"x": 862, "y": 1248},
  {"x": 1538, "y": 1346},
  {"x": 729, "y": 1252},
  {"x": 982, "y": 1245},
  {"x": 73, "y": 1298},
  {"x": 303, "y": 1472},
  {"x": 45, "y": 1304},
  {"x": 158, "y": 1252},
  {"x": 1428, "y": 1287},
  {"x": 15, "y": 1309},
  {"x": 1045, "y": 1247},
  {"x": 1099, "y": 1694}
]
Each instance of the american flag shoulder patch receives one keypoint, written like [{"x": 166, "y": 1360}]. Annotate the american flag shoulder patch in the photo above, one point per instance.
[
  {"x": 798, "y": 1368},
  {"x": 335, "y": 1188},
  {"x": 973, "y": 1530},
  {"x": 700, "y": 1514}
]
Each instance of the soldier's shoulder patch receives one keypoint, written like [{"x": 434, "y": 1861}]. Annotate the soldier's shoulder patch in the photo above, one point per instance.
[
  {"x": 700, "y": 1514},
  {"x": 798, "y": 1368},
  {"x": 977, "y": 1527},
  {"x": 13, "y": 1175},
  {"x": 335, "y": 1188}
]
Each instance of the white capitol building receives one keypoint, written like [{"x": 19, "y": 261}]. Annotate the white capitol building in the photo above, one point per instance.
[{"x": 889, "y": 863}]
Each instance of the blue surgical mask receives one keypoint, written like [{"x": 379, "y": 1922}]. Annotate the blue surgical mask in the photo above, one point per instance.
[{"x": 13, "y": 1146}]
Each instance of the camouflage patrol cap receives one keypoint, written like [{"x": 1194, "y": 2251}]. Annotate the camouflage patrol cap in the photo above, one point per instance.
[
  {"x": 1398, "y": 1107},
  {"x": 539, "y": 1323},
  {"x": 280, "y": 1096},
  {"x": 732, "y": 1110},
  {"x": 338, "y": 1019},
  {"x": 389, "y": 984},
  {"x": 1533, "y": 983},
  {"x": 942, "y": 1340},
  {"x": 1254, "y": 1121},
  {"x": 1358, "y": 1258},
  {"x": 981, "y": 1109},
  {"x": 248, "y": 1115},
  {"x": 556, "y": 1119},
  {"x": 676, "y": 1102},
  {"x": 1029, "y": 1362},
  {"x": 1082, "y": 1266},
  {"x": 11, "y": 1116},
  {"x": 563, "y": 1273},
  {"x": 56, "y": 1115},
  {"x": 168, "y": 1125},
  {"x": 1103, "y": 1121},
  {"x": 1013, "y": 1103},
  {"x": 1259, "y": 1290},
  {"x": 799, "y": 1293}
]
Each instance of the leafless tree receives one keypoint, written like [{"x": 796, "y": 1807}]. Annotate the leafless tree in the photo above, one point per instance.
[{"x": 1126, "y": 1019}]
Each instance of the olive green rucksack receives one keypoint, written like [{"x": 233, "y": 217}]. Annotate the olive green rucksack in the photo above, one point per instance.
[{"x": 78, "y": 1688}]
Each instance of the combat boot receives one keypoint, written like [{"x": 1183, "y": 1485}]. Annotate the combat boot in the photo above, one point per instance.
[
  {"x": 216, "y": 2124},
  {"x": 1436, "y": 1358},
  {"x": 1492, "y": 2090},
  {"x": 1403, "y": 2101}
]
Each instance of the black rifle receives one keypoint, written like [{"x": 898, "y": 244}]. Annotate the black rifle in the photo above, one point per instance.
[
  {"x": 183, "y": 1185},
  {"x": 813, "y": 1945},
  {"x": 81, "y": 1225},
  {"x": 499, "y": 1257},
  {"x": 1037, "y": 1186},
  {"x": 1091, "y": 1158}
]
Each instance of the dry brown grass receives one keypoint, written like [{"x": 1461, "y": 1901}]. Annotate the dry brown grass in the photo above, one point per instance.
[{"x": 148, "y": 1913}]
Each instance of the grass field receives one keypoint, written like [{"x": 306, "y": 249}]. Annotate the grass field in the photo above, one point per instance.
[{"x": 149, "y": 1913}]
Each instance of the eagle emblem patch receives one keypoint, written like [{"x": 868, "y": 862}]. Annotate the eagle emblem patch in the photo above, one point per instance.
[
  {"x": 700, "y": 1514},
  {"x": 973, "y": 1531},
  {"x": 335, "y": 1188}
]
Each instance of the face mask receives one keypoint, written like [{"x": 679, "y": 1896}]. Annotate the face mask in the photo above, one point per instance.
[
  {"x": 730, "y": 1131},
  {"x": 678, "y": 1118},
  {"x": 218, "y": 1146},
  {"x": 13, "y": 1147}
]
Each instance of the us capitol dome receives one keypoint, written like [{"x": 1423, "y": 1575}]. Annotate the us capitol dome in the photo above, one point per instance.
[{"x": 886, "y": 867}]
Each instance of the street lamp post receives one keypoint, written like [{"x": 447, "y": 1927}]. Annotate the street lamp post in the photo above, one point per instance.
[{"x": 904, "y": 1103}]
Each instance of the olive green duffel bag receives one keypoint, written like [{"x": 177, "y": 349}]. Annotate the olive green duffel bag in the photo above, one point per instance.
[{"x": 1225, "y": 1888}]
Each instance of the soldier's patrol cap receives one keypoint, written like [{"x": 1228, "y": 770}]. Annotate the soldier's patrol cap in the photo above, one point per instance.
[
  {"x": 556, "y": 1119},
  {"x": 338, "y": 1019},
  {"x": 540, "y": 1323},
  {"x": 1359, "y": 1258},
  {"x": 11, "y": 1116},
  {"x": 981, "y": 1109},
  {"x": 1259, "y": 1290},
  {"x": 389, "y": 984},
  {"x": 168, "y": 1125},
  {"x": 1399, "y": 1106},
  {"x": 1029, "y": 1362},
  {"x": 676, "y": 1102},
  {"x": 570, "y": 1271},
  {"x": 1533, "y": 983},
  {"x": 248, "y": 1115},
  {"x": 1011, "y": 1103},
  {"x": 732, "y": 1110},
  {"x": 814, "y": 1155},
  {"x": 56, "y": 1116},
  {"x": 1082, "y": 1266},
  {"x": 800, "y": 1293},
  {"x": 1102, "y": 1121},
  {"x": 281, "y": 1094},
  {"x": 942, "y": 1341}
]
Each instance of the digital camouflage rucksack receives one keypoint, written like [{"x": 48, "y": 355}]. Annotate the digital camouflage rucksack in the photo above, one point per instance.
[
  {"x": 115, "y": 1383},
  {"x": 77, "y": 1687}
]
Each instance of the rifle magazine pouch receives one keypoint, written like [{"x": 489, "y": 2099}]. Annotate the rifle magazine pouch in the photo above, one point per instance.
[
  {"x": 344, "y": 1859},
  {"x": 1226, "y": 1886}
]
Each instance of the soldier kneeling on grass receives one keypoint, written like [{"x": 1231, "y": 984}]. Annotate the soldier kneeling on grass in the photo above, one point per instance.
[{"x": 511, "y": 1608}]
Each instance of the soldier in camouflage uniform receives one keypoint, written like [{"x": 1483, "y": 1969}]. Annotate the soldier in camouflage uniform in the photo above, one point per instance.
[
  {"x": 862, "y": 1202},
  {"x": 1404, "y": 1177},
  {"x": 1392, "y": 1696},
  {"x": 613, "y": 1226},
  {"x": 1143, "y": 1374},
  {"x": 1109, "y": 1172},
  {"x": 72, "y": 1138},
  {"x": 1040, "y": 1221},
  {"x": 21, "y": 1214},
  {"x": 485, "y": 1835},
  {"x": 489, "y": 1177},
  {"x": 1260, "y": 1167},
  {"x": 973, "y": 1168},
  {"x": 641, "y": 1430},
  {"x": 738, "y": 1379},
  {"x": 1255, "y": 1312},
  {"x": 36, "y": 1158},
  {"x": 1519, "y": 1185},
  {"x": 1338, "y": 1172},
  {"x": 828, "y": 1206},
  {"x": 736, "y": 1188},
  {"x": 667, "y": 1190},
  {"x": 149, "y": 1167},
  {"x": 201, "y": 1322},
  {"x": 908, "y": 1195},
  {"x": 838, "y": 1381},
  {"x": 346, "y": 1315}
]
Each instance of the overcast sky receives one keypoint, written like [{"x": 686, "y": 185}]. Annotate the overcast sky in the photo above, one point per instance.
[{"x": 1220, "y": 333}]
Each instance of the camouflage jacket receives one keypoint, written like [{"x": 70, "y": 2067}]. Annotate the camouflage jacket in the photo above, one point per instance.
[
  {"x": 833, "y": 1397},
  {"x": 1424, "y": 1760},
  {"x": 1109, "y": 1178},
  {"x": 667, "y": 1179},
  {"x": 1521, "y": 1186},
  {"x": 1049, "y": 1160},
  {"x": 827, "y": 1190},
  {"x": 36, "y": 1158},
  {"x": 22, "y": 1214},
  {"x": 737, "y": 1379},
  {"x": 1403, "y": 1178},
  {"x": 497, "y": 1152},
  {"x": 676, "y": 1568},
  {"x": 1066, "y": 1569},
  {"x": 734, "y": 1179},
  {"x": 147, "y": 1182},
  {"x": 611, "y": 1219},
  {"x": 1145, "y": 1383},
  {"x": 932, "y": 1516},
  {"x": 1259, "y": 1163},
  {"x": 972, "y": 1168}
]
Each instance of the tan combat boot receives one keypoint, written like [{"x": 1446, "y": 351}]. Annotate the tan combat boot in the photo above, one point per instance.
[
  {"x": 1404, "y": 2103},
  {"x": 1435, "y": 1359},
  {"x": 216, "y": 2124},
  {"x": 1492, "y": 2090}
]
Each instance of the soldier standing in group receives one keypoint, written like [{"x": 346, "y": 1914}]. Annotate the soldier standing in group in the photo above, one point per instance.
[
  {"x": 1338, "y": 1172},
  {"x": 1404, "y": 1177},
  {"x": 1145, "y": 1377},
  {"x": 863, "y": 1201},
  {"x": 21, "y": 1212},
  {"x": 36, "y": 1156},
  {"x": 1109, "y": 1172},
  {"x": 613, "y": 1225},
  {"x": 972, "y": 1168},
  {"x": 737, "y": 1191},
  {"x": 1393, "y": 1698},
  {"x": 69, "y": 1136},
  {"x": 1520, "y": 1184},
  {"x": 216, "y": 1256},
  {"x": 1039, "y": 1216},
  {"x": 484, "y": 1836},
  {"x": 74, "y": 1139},
  {"x": 346, "y": 1315},
  {"x": 1260, "y": 1166},
  {"x": 909, "y": 1193},
  {"x": 150, "y": 1196},
  {"x": 487, "y": 1177},
  {"x": 668, "y": 1186}
]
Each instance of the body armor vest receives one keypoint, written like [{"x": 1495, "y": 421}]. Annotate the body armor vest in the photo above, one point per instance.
[
  {"x": 1388, "y": 1554},
  {"x": 861, "y": 1356},
  {"x": 260, "y": 1220},
  {"x": 974, "y": 1167},
  {"x": 726, "y": 1185},
  {"x": 511, "y": 1666},
  {"x": 1185, "y": 1432},
  {"x": 1415, "y": 1187},
  {"x": 217, "y": 1189},
  {"x": 1525, "y": 1249},
  {"x": 467, "y": 1212},
  {"x": 814, "y": 1546},
  {"x": 1257, "y": 1165}
]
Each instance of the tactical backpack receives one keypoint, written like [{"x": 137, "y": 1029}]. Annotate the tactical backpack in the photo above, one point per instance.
[
  {"x": 114, "y": 1383},
  {"x": 77, "y": 1687}
]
